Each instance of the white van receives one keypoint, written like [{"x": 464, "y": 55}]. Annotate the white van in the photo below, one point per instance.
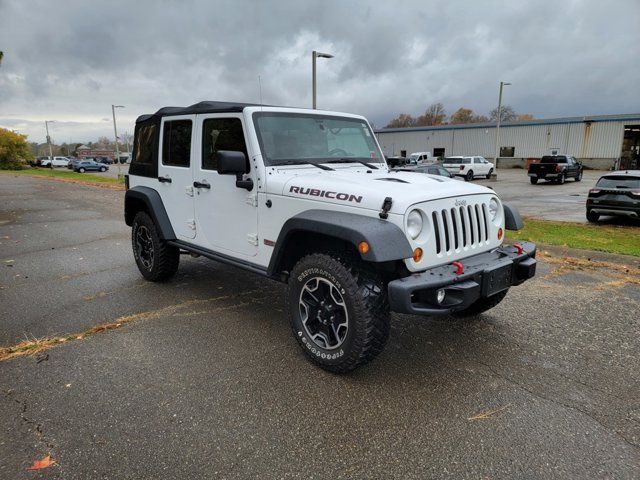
[{"x": 420, "y": 158}]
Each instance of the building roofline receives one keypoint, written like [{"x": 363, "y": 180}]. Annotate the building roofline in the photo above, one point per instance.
[{"x": 542, "y": 121}]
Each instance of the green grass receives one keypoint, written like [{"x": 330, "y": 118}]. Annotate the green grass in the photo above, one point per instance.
[
  {"x": 64, "y": 174},
  {"x": 603, "y": 238}
]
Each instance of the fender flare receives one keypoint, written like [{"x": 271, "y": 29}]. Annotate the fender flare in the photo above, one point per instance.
[
  {"x": 386, "y": 241},
  {"x": 512, "y": 218},
  {"x": 154, "y": 206}
]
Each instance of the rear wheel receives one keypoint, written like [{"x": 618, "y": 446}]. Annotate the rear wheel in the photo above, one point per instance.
[
  {"x": 579, "y": 177},
  {"x": 592, "y": 217},
  {"x": 156, "y": 260},
  {"x": 81, "y": 170},
  {"x": 489, "y": 174},
  {"x": 533, "y": 180},
  {"x": 338, "y": 310},
  {"x": 469, "y": 176},
  {"x": 482, "y": 305},
  {"x": 561, "y": 179}
]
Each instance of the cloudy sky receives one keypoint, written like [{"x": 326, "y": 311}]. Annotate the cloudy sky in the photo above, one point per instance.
[{"x": 70, "y": 60}]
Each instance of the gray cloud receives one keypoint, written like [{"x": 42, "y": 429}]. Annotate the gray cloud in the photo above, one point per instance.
[{"x": 70, "y": 60}]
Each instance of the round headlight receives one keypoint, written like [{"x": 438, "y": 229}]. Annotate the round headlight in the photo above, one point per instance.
[
  {"x": 493, "y": 208},
  {"x": 414, "y": 224}
]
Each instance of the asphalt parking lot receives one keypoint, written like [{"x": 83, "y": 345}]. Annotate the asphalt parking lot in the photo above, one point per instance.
[{"x": 201, "y": 378}]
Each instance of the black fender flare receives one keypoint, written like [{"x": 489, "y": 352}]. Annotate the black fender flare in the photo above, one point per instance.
[
  {"x": 386, "y": 240},
  {"x": 512, "y": 218},
  {"x": 153, "y": 203}
]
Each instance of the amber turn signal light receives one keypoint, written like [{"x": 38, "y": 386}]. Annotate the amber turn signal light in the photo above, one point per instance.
[
  {"x": 363, "y": 247},
  {"x": 499, "y": 234},
  {"x": 417, "y": 255}
]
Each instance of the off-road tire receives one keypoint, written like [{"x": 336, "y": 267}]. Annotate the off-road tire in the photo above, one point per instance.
[
  {"x": 489, "y": 174},
  {"x": 533, "y": 180},
  {"x": 579, "y": 176},
  {"x": 81, "y": 170},
  {"x": 166, "y": 258},
  {"x": 482, "y": 305},
  {"x": 364, "y": 294},
  {"x": 469, "y": 176},
  {"x": 592, "y": 217}
]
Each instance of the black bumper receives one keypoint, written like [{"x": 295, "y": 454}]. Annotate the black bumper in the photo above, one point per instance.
[{"x": 484, "y": 275}]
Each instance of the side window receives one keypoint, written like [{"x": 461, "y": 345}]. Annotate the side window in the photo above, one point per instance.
[
  {"x": 221, "y": 134},
  {"x": 144, "y": 145},
  {"x": 176, "y": 143}
]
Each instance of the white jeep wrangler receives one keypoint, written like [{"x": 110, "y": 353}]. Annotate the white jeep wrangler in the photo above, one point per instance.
[{"x": 305, "y": 197}]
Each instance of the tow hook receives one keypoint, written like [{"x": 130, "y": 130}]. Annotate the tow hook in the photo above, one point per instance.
[
  {"x": 386, "y": 206},
  {"x": 459, "y": 268},
  {"x": 519, "y": 248}
]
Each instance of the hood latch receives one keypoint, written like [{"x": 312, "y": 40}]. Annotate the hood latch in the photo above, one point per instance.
[{"x": 386, "y": 206}]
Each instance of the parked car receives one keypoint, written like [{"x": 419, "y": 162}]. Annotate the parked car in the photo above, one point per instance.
[
  {"x": 73, "y": 162},
  {"x": 435, "y": 169},
  {"x": 105, "y": 160},
  {"x": 90, "y": 165},
  {"x": 57, "y": 162},
  {"x": 418, "y": 158},
  {"x": 468, "y": 167},
  {"x": 556, "y": 168},
  {"x": 396, "y": 161},
  {"x": 617, "y": 194}
]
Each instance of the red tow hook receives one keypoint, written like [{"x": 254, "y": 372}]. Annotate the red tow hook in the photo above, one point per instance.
[
  {"x": 519, "y": 248},
  {"x": 459, "y": 268}
]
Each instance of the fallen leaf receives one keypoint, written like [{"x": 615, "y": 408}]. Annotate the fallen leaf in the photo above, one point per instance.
[
  {"x": 44, "y": 463},
  {"x": 482, "y": 416}
]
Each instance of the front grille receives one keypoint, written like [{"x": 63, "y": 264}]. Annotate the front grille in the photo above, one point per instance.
[{"x": 460, "y": 228}]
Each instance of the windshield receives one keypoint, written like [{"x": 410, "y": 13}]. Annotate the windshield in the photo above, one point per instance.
[
  {"x": 550, "y": 159},
  {"x": 618, "y": 182},
  {"x": 414, "y": 156},
  {"x": 287, "y": 137}
]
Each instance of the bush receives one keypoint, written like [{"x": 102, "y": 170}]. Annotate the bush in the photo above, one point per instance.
[{"x": 14, "y": 151}]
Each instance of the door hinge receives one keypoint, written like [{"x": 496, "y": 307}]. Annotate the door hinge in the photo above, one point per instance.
[
  {"x": 191, "y": 223},
  {"x": 252, "y": 200},
  {"x": 189, "y": 190},
  {"x": 252, "y": 238}
]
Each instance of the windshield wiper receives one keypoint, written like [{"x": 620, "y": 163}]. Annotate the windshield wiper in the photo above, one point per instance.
[
  {"x": 300, "y": 162},
  {"x": 352, "y": 160}
]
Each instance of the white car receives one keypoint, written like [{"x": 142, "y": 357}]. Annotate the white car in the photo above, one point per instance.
[
  {"x": 468, "y": 167},
  {"x": 305, "y": 197},
  {"x": 57, "y": 162},
  {"x": 420, "y": 158}
]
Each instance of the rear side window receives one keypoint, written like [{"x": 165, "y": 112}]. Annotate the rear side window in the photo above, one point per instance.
[
  {"x": 144, "y": 144},
  {"x": 620, "y": 181},
  {"x": 176, "y": 143},
  {"x": 221, "y": 134}
]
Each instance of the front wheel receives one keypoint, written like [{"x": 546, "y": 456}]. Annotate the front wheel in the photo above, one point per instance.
[
  {"x": 489, "y": 174},
  {"x": 156, "y": 260},
  {"x": 482, "y": 305},
  {"x": 469, "y": 176},
  {"x": 102, "y": 169},
  {"x": 338, "y": 310},
  {"x": 533, "y": 180}
]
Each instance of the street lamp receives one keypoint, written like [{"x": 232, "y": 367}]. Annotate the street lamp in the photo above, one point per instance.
[
  {"x": 46, "y": 126},
  {"x": 315, "y": 55},
  {"x": 502, "y": 84},
  {"x": 115, "y": 131}
]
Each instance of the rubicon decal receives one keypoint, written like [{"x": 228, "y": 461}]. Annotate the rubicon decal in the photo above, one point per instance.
[{"x": 347, "y": 197}]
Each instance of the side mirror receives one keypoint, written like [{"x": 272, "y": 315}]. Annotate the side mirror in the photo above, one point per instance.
[{"x": 234, "y": 163}]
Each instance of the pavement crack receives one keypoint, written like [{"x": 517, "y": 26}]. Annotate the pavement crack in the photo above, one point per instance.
[{"x": 32, "y": 424}]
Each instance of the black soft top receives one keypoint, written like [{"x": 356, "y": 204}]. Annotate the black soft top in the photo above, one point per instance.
[{"x": 200, "y": 107}]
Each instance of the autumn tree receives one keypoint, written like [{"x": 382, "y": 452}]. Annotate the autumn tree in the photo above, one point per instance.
[
  {"x": 434, "y": 115},
  {"x": 403, "y": 120},
  {"x": 507, "y": 114},
  {"x": 14, "y": 150}
]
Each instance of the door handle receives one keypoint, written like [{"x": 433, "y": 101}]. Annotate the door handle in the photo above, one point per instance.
[
  {"x": 201, "y": 185},
  {"x": 164, "y": 179}
]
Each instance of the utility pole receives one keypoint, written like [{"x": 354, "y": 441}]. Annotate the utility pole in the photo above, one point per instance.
[
  {"x": 315, "y": 55},
  {"x": 46, "y": 126},
  {"x": 115, "y": 131},
  {"x": 502, "y": 84}
]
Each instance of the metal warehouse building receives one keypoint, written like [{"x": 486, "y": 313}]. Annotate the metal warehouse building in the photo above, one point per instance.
[{"x": 598, "y": 141}]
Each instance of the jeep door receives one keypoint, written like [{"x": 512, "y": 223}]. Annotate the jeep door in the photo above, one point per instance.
[
  {"x": 226, "y": 216},
  {"x": 174, "y": 173}
]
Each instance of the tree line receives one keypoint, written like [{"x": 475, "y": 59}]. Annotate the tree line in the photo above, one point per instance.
[
  {"x": 71, "y": 149},
  {"x": 435, "y": 114}
]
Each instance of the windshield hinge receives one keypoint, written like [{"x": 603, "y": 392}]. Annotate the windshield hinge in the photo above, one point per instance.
[
  {"x": 252, "y": 238},
  {"x": 252, "y": 199},
  {"x": 386, "y": 206}
]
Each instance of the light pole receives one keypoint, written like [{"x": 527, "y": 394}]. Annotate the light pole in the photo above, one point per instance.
[
  {"x": 315, "y": 55},
  {"x": 502, "y": 84},
  {"x": 46, "y": 126},
  {"x": 115, "y": 131}
]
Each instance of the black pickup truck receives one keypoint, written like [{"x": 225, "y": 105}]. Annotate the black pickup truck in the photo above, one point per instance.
[{"x": 556, "y": 168}]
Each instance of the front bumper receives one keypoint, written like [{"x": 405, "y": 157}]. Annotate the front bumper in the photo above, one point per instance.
[{"x": 484, "y": 275}]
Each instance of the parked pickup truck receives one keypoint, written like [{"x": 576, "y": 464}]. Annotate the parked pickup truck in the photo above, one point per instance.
[{"x": 556, "y": 168}]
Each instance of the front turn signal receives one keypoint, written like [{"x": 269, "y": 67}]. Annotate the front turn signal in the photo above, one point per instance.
[
  {"x": 499, "y": 234},
  {"x": 417, "y": 255},
  {"x": 363, "y": 247}
]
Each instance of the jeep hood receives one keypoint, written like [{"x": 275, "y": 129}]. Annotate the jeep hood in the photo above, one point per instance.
[{"x": 355, "y": 187}]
